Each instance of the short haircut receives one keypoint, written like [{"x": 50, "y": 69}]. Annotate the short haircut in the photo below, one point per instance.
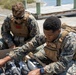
[
  {"x": 18, "y": 8},
  {"x": 52, "y": 23}
]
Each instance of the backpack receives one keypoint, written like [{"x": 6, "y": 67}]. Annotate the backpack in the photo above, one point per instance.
[{"x": 68, "y": 28}]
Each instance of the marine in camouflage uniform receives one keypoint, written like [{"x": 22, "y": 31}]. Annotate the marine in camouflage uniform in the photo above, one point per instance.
[
  {"x": 18, "y": 28},
  {"x": 60, "y": 49}
]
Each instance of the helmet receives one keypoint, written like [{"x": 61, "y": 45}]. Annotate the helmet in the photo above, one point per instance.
[{"x": 18, "y": 9}]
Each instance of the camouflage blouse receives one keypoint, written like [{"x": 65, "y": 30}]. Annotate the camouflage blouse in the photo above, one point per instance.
[{"x": 6, "y": 32}]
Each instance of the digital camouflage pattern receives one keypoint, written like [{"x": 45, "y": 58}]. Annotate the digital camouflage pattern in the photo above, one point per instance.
[
  {"x": 6, "y": 31},
  {"x": 65, "y": 65}
]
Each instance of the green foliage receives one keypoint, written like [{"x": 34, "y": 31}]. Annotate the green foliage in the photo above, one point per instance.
[
  {"x": 8, "y": 3},
  {"x": 30, "y": 1}
]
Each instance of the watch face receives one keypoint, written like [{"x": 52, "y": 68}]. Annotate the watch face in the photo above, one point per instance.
[{"x": 42, "y": 71}]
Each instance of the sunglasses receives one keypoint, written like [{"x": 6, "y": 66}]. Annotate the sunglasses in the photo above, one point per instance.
[{"x": 18, "y": 17}]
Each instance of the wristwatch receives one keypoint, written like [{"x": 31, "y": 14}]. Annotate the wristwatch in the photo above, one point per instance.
[{"x": 42, "y": 71}]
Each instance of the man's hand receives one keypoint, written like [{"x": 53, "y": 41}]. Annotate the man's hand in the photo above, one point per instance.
[
  {"x": 34, "y": 72},
  {"x": 4, "y": 60}
]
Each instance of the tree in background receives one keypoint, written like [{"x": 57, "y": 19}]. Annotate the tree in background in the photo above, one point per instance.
[{"x": 8, "y": 3}]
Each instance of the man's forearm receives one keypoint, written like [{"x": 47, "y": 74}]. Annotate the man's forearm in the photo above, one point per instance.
[{"x": 6, "y": 59}]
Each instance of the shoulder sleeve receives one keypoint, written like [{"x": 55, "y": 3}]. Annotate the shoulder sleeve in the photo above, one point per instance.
[
  {"x": 35, "y": 42},
  {"x": 33, "y": 26},
  {"x": 29, "y": 46},
  {"x": 5, "y": 31}
]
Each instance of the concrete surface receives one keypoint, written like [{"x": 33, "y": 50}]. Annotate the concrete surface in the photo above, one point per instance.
[{"x": 52, "y": 9}]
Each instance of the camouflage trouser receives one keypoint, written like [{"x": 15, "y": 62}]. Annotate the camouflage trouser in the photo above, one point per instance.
[
  {"x": 71, "y": 70},
  {"x": 4, "y": 45}
]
